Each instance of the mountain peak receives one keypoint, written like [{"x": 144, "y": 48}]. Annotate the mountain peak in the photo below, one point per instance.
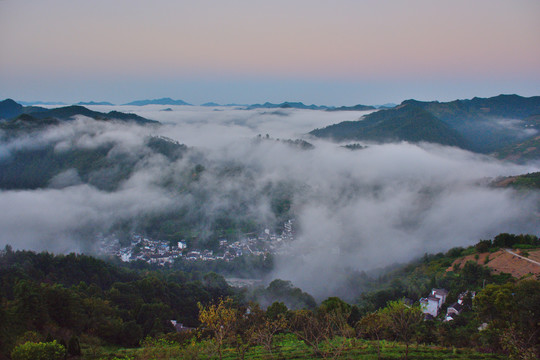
[
  {"x": 162, "y": 101},
  {"x": 9, "y": 109}
]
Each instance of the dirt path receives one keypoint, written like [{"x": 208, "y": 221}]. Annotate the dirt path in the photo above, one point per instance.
[{"x": 522, "y": 257}]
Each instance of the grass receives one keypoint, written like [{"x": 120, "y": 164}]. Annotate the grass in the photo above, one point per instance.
[{"x": 289, "y": 347}]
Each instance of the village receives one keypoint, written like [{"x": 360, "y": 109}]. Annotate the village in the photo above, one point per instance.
[
  {"x": 161, "y": 252},
  {"x": 432, "y": 304}
]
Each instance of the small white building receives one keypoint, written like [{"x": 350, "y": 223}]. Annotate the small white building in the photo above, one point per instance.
[
  {"x": 430, "y": 305},
  {"x": 440, "y": 293}
]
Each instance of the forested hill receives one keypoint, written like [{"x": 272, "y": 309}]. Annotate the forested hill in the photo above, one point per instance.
[
  {"x": 481, "y": 124},
  {"x": 81, "y": 295},
  {"x": 15, "y": 114},
  {"x": 501, "y": 106},
  {"x": 403, "y": 123},
  {"x": 37, "y": 167},
  {"x": 107, "y": 306}
]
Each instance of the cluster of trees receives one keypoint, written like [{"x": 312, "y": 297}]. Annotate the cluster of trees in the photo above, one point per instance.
[
  {"x": 505, "y": 240},
  {"x": 502, "y": 318},
  {"x": 58, "y": 297},
  {"x": 282, "y": 291}
]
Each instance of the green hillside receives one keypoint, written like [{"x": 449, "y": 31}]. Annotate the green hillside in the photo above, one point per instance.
[
  {"x": 487, "y": 124},
  {"x": 15, "y": 114},
  {"x": 115, "y": 311},
  {"x": 501, "y": 106},
  {"x": 403, "y": 123},
  {"x": 526, "y": 181},
  {"x": 483, "y": 125},
  {"x": 68, "y": 112},
  {"x": 35, "y": 167},
  {"x": 521, "y": 152}
]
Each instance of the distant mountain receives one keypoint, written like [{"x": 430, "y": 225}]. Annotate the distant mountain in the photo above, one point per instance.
[
  {"x": 501, "y": 106},
  {"x": 358, "y": 107},
  {"x": 385, "y": 106},
  {"x": 9, "y": 109},
  {"x": 286, "y": 105},
  {"x": 300, "y": 105},
  {"x": 483, "y": 125},
  {"x": 30, "y": 103},
  {"x": 210, "y": 104},
  {"x": 487, "y": 124},
  {"x": 94, "y": 103},
  {"x": 33, "y": 117},
  {"x": 162, "y": 101},
  {"x": 404, "y": 123},
  {"x": 68, "y": 112}
]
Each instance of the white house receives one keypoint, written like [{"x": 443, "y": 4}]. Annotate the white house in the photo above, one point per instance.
[
  {"x": 430, "y": 305},
  {"x": 452, "y": 311},
  {"x": 440, "y": 293}
]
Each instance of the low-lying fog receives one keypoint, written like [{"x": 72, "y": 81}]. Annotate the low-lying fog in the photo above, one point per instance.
[{"x": 356, "y": 209}]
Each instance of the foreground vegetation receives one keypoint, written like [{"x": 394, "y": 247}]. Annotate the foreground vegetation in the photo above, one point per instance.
[
  {"x": 79, "y": 306},
  {"x": 289, "y": 347}
]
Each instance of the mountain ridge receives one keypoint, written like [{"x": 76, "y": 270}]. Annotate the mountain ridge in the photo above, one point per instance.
[
  {"x": 483, "y": 125},
  {"x": 162, "y": 101},
  {"x": 15, "y": 114},
  {"x": 403, "y": 123}
]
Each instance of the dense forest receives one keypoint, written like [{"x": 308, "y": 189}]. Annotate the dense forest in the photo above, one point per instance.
[{"x": 75, "y": 305}]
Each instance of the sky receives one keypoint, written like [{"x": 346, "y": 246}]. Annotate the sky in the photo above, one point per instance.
[{"x": 340, "y": 52}]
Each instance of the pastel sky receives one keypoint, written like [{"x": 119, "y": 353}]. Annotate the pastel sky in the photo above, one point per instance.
[{"x": 339, "y": 52}]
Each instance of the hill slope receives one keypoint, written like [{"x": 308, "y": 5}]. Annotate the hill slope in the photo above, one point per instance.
[
  {"x": 9, "y": 109},
  {"x": 488, "y": 124},
  {"x": 404, "y": 123},
  {"x": 505, "y": 261},
  {"x": 483, "y": 125}
]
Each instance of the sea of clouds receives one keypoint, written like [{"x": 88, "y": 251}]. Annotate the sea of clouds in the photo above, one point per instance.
[{"x": 358, "y": 210}]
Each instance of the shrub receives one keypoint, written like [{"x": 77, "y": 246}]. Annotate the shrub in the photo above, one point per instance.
[
  {"x": 39, "y": 351},
  {"x": 74, "y": 346}
]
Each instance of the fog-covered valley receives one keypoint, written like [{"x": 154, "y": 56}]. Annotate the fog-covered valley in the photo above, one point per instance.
[{"x": 353, "y": 209}]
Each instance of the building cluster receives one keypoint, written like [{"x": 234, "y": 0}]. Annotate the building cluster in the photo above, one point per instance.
[
  {"x": 433, "y": 302},
  {"x": 456, "y": 308},
  {"x": 431, "y": 305},
  {"x": 162, "y": 252}
]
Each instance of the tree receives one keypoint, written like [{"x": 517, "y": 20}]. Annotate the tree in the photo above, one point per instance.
[
  {"x": 321, "y": 326},
  {"x": 513, "y": 314},
  {"x": 74, "y": 346},
  {"x": 39, "y": 351},
  {"x": 373, "y": 326},
  {"x": 309, "y": 328},
  {"x": 276, "y": 309},
  {"x": 29, "y": 304},
  {"x": 269, "y": 324},
  {"x": 483, "y": 246},
  {"x": 219, "y": 319},
  {"x": 402, "y": 321}
]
